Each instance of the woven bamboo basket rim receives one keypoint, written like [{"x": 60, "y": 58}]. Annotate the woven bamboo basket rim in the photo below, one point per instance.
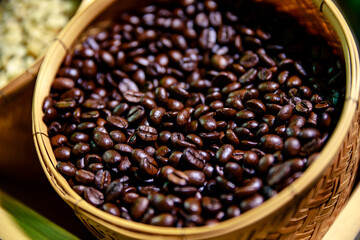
[
  {"x": 23, "y": 80},
  {"x": 50, "y": 66}
]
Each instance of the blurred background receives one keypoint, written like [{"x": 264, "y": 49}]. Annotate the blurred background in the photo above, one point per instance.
[{"x": 351, "y": 10}]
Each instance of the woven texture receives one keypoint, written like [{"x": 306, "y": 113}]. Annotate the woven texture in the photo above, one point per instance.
[{"x": 308, "y": 215}]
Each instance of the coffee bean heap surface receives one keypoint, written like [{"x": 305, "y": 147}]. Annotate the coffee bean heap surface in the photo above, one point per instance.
[{"x": 188, "y": 115}]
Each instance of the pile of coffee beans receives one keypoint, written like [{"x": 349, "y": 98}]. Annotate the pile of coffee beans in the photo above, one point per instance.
[{"x": 190, "y": 114}]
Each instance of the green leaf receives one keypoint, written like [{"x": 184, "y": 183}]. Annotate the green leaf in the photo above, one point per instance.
[{"x": 33, "y": 224}]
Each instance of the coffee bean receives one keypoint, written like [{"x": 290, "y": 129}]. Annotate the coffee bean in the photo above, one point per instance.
[
  {"x": 135, "y": 114},
  {"x": 117, "y": 122},
  {"x": 63, "y": 83},
  {"x": 309, "y": 133},
  {"x": 195, "y": 139},
  {"x": 102, "y": 179},
  {"x": 255, "y": 106},
  {"x": 156, "y": 115},
  {"x": 233, "y": 172},
  {"x": 161, "y": 202},
  {"x": 139, "y": 207},
  {"x": 111, "y": 208},
  {"x": 147, "y": 133},
  {"x": 103, "y": 140},
  {"x": 83, "y": 176},
  {"x": 224, "y": 154},
  {"x": 208, "y": 123},
  {"x": 113, "y": 191},
  {"x": 192, "y": 205},
  {"x": 292, "y": 146},
  {"x": 271, "y": 142},
  {"x": 62, "y": 153},
  {"x": 80, "y": 149},
  {"x": 117, "y": 136},
  {"x": 211, "y": 205},
  {"x": 249, "y": 60},
  {"x": 251, "y": 202},
  {"x": 93, "y": 196},
  {"x": 207, "y": 38},
  {"x": 195, "y": 178},
  {"x": 66, "y": 168},
  {"x": 123, "y": 148},
  {"x": 164, "y": 219},
  {"x": 185, "y": 117},
  {"x": 251, "y": 187},
  {"x": 278, "y": 174},
  {"x": 193, "y": 158}
]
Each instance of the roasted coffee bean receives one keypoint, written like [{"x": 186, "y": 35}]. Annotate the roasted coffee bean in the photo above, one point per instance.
[
  {"x": 193, "y": 158},
  {"x": 251, "y": 187},
  {"x": 63, "y": 83},
  {"x": 136, "y": 113},
  {"x": 62, "y": 153},
  {"x": 84, "y": 176},
  {"x": 80, "y": 149},
  {"x": 271, "y": 142},
  {"x": 233, "y": 172},
  {"x": 278, "y": 174},
  {"x": 117, "y": 122},
  {"x": 309, "y": 133},
  {"x": 156, "y": 115},
  {"x": 285, "y": 113},
  {"x": 174, "y": 105},
  {"x": 148, "y": 166},
  {"x": 211, "y": 205},
  {"x": 111, "y": 157},
  {"x": 251, "y": 202},
  {"x": 303, "y": 106},
  {"x": 255, "y": 106},
  {"x": 117, "y": 136},
  {"x": 175, "y": 157},
  {"x": 231, "y": 137},
  {"x": 139, "y": 154},
  {"x": 161, "y": 202},
  {"x": 114, "y": 191},
  {"x": 103, "y": 140},
  {"x": 147, "y": 133},
  {"x": 185, "y": 117},
  {"x": 224, "y": 154},
  {"x": 195, "y": 139},
  {"x": 178, "y": 178},
  {"x": 208, "y": 123},
  {"x": 224, "y": 184},
  {"x": 195, "y": 178},
  {"x": 93, "y": 196},
  {"x": 102, "y": 179},
  {"x": 66, "y": 168},
  {"x": 164, "y": 137},
  {"x": 292, "y": 146},
  {"x": 164, "y": 219},
  {"x": 111, "y": 208},
  {"x": 139, "y": 207},
  {"x": 250, "y": 159}
]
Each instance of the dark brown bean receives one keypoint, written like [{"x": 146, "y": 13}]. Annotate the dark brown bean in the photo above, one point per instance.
[
  {"x": 147, "y": 133},
  {"x": 271, "y": 143},
  {"x": 93, "y": 196}
]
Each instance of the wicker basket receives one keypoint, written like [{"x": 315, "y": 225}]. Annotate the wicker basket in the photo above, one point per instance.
[
  {"x": 15, "y": 122},
  {"x": 304, "y": 210}
]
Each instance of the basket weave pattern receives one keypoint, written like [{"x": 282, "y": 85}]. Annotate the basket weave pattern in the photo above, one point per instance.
[{"x": 309, "y": 213}]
